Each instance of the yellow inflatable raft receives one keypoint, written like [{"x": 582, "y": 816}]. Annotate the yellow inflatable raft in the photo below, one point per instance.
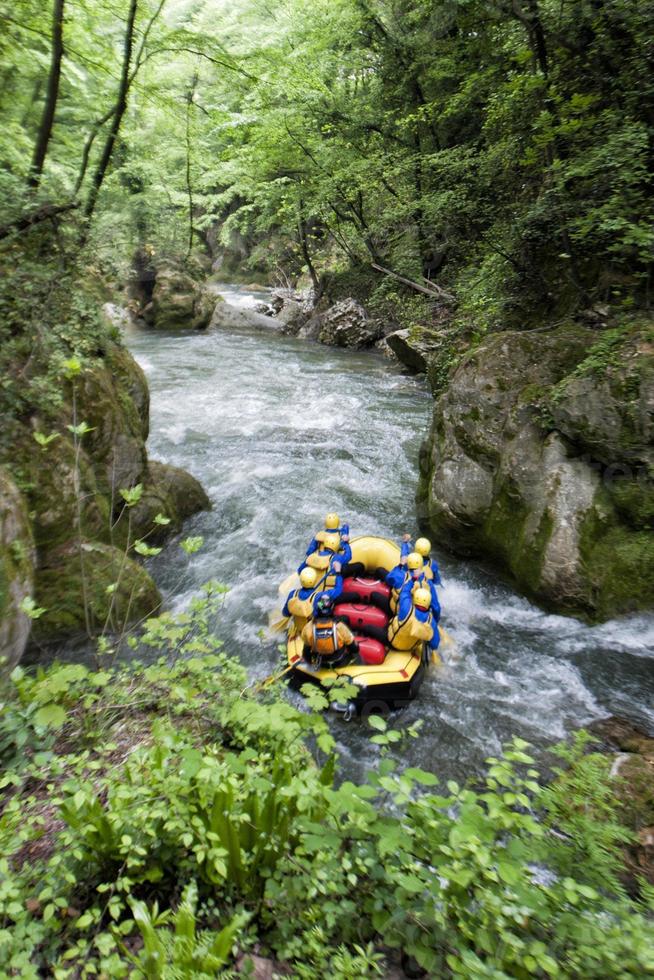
[{"x": 384, "y": 676}]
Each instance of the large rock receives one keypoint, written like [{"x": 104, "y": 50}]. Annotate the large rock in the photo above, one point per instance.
[
  {"x": 228, "y": 317},
  {"x": 501, "y": 480},
  {"x": 346, "y": 324},
  {"x": 292, "y": 316},
  {"x": 170, "y": 491},
  {"x": 413, "y": 348},
  {"x": 91, "y": 587},
  {"x": 167, "y": 296},
  {"x": 73, "y": 496},
  {"x": 16, "y": 572}
]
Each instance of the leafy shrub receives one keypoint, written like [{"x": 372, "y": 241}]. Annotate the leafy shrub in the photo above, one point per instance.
[{"x": 157, "y": 818}]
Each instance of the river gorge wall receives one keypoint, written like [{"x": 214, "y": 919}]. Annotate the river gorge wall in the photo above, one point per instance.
[
  {"x": 540, "y": 459},
  {"x": 67, "y": 559}
]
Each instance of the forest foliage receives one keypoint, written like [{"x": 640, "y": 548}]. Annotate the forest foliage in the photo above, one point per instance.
[{"x": 502, "y": 149}]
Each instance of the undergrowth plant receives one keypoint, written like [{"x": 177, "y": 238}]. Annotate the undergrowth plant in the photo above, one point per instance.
[{"x": 160, "y": 819}]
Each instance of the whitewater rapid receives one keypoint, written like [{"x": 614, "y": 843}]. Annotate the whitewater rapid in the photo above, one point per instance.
[{"x": 279, "y": 431}]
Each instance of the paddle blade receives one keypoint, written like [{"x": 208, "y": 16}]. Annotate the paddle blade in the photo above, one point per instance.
[{"x": 292, "y": 582}]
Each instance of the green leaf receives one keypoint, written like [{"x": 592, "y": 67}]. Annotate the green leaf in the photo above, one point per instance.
[
  {"x": 30, "y": 608},
  {"x": 141, "y": 548},
  {"x": 81, "y": 429},
  {"x": 191, "y": 545},
  {"x": 72, "y": 367},
  {"x": 133, "y": 495},
  {"x": 376, "y": 721},
  {"x": 50, "y": 716},
  {"x": 422, "y": 777},
  {"x": 44, "y": 440}
]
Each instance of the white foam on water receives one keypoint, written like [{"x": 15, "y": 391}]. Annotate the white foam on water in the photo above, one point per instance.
[{"x": 279, "y": 432}]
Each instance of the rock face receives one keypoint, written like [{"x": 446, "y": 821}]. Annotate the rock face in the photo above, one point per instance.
[
  {"x": 83, "y": 533},
  {"x": 16, "y": 572},
  {"x": 346, "y": 324},
  {"x": 542, "y": 464},
  {"x": 413, "y": 348},
  {"x": 171, "y": 491},
  {"x": 167, "y": 297}
]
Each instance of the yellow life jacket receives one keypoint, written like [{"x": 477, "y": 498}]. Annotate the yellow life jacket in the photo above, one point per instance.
[
  {"x": 321, "y": 535},
  {"x": 325, "y": 637},
  {"x": 405, "y": 635},
  {"x": 319, "y": 562},
  {"x": 301, "y": 608},
  {"x": 427, "y": 569}
]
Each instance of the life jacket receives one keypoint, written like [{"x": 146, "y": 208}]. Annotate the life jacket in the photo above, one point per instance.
[
  {"x": 321, "y": 535},
  {"x": 301, "y": 608},
  {"x": 411, "y": 631},
  {"x": 320, "y": 560},
  {"x": 427, "y": 570},
  {"x": 325, "y": 637},
  {"x": 329, "y": 581}
]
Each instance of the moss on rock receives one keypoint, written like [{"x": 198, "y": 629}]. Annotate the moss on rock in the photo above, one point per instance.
[
  {"x": 16, "y": 572},
  {"x": 72, "y": 492},
  {"x": 90, "y": 588},
  {"x": 507, "y": 472}
]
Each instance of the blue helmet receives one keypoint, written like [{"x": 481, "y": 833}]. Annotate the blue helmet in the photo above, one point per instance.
[{"x": 324, "y": 604}]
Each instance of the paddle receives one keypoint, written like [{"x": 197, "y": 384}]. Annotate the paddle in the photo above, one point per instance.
[
  {"x": 280, "y": 625},
  {"x": 290, "y": 583},
  {"x": 267, "y": 681}
]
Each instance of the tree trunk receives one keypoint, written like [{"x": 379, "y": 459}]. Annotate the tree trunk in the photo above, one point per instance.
[
  {"x": 95, "y": 129},
  {"x": 99, "y": 123},
  {"x": 119, "y": 112},
  {"x": 190, "y": 96},
  {"x": 47, "y": 119},
  {"x": 306, "y": 254}
]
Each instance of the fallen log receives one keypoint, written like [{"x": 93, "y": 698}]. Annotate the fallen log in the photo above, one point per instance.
[{"x": 432, "y": 290}]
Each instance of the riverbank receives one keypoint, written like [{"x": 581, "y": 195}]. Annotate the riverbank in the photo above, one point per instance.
[{"x": 81, "y": 502}]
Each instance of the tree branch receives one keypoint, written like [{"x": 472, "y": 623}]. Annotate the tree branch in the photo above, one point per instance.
[{"x": 36, "y": 217}]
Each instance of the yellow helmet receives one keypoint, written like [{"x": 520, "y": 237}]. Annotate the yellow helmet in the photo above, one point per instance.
[
  {"x": 422, "y": 598},
  {"x": 414, "y": 561},
  {"x": 423, "y": 547},
  {"x": 332, "y": 522},
  {"x": 332, "y": 542},
  {"x": 308, "y": 578}
]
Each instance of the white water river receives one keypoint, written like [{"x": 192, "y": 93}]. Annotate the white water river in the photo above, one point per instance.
[{"x": 279, "y": 431}]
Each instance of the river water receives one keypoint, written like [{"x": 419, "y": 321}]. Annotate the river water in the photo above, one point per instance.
[{"x": 279, "y": 431}]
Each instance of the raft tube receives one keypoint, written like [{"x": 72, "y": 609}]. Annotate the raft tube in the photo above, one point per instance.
[{"x": 385, "y": 677}]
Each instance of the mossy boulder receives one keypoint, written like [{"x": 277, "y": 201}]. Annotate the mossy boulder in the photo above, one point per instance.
[
  {"x": 170, "y": 491},
  {"x": 62, "y": 489},
  {"x": 17, "y": 559},
  {"x": 72, "y": 491},
  {"x": 178, "y": 301},
  {"x": 503, "y": 478},
  {"x": 112, "y": 398},
  {"x": 167, "y": 296},
  {"x": 89, "y": 588}
]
